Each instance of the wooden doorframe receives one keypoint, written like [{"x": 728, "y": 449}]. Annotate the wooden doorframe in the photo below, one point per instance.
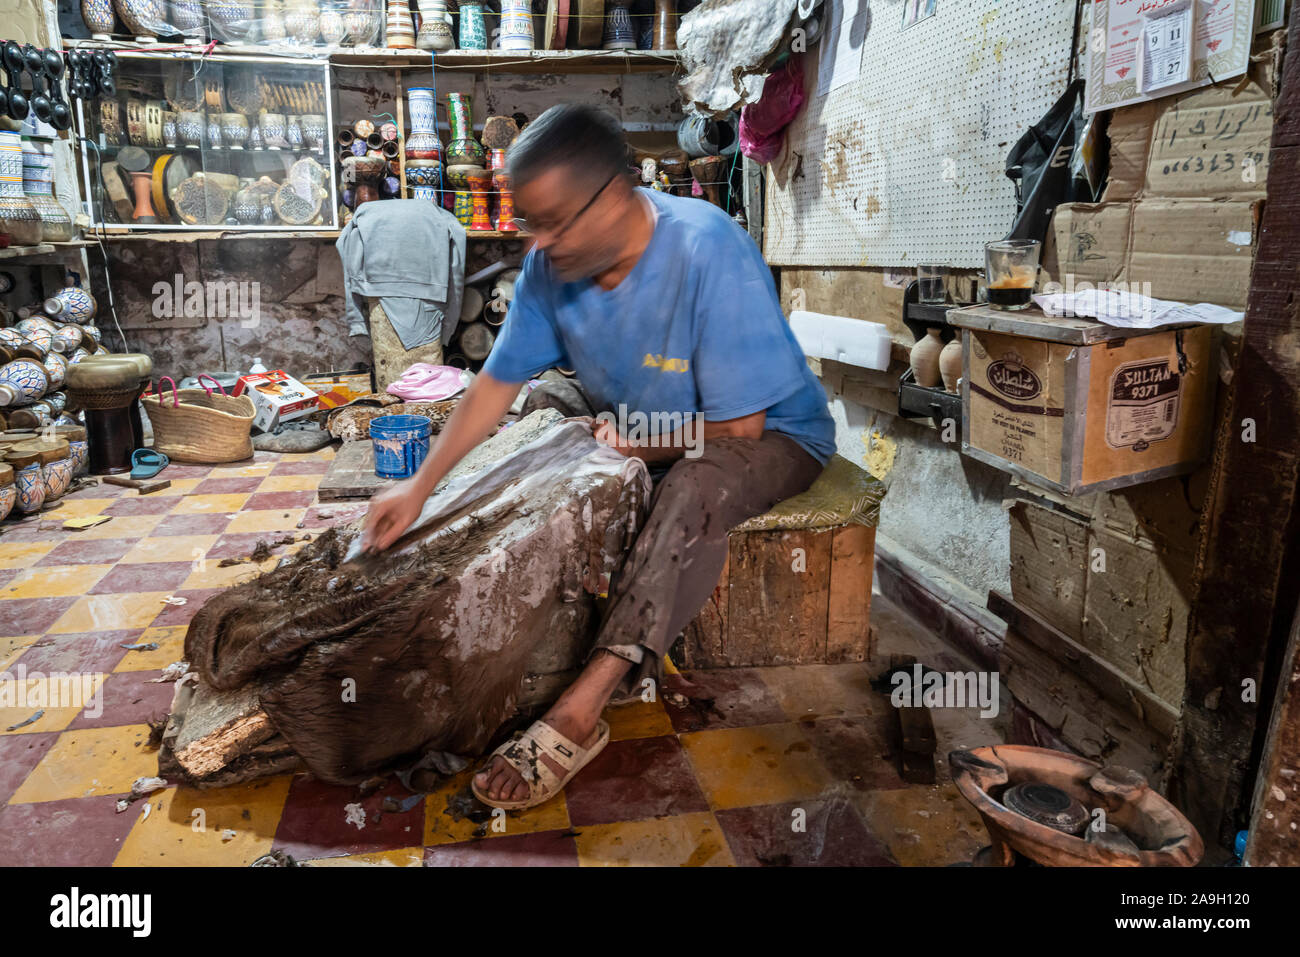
[{"x": 1248, "y": 558}]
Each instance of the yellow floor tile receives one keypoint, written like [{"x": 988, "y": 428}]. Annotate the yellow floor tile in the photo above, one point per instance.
[
  {"x": 78, "y": 507},
  {"x": 88, "y": 762},
  {"x": 121, "y": 527},
  {"x": 11, "y": 648},
  {"x": 60, "y": 698},
  {"x": 221, "y": 504},
  {"x": 213, "y": 575},
  {"x": 439, "y": 828},
  {"x": 55, "y": 581},
  {"x": 687, "y": 840},
  {"x": 637, "y": 720},
  {"x": 23, "y": 554},
  {"x": 171, "y": 647},
  {"x": 170, "y": 548},
  {"x": 743, "y": 767},
  {"x": 922, "y": 826},
  {"x": 290, "y": 483},
  {"x": 174, "y": 835},
  {"x": 111, "y": 612},
  {"x": 243, "y": 471},
  {"x": 266, "y": 520},
  {"x": 406, "y": 857}
]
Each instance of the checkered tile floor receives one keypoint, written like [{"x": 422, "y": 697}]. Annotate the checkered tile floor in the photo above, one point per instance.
[{"x": 739, "y": 767}]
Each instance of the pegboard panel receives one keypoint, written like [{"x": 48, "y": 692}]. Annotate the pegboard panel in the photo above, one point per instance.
[{"x": 907, "y": 162}]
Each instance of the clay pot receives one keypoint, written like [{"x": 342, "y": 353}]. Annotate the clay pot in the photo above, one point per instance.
[
  {"x": 56, "y": 367},
  {"x": 665, "y": 25},
  {"x": 434, "y": 31},
  {"x": 950, "y": 365},
  {"x": 517, "y": 25},
  {"x": 144, "y": 211},
  {"x": 8, "y": 493},
  {"x": 480, "y": 184},
  {"x": 144, "y": 18},
  {"x": 619, "y": 32},
  {"x": 22, "y": 381},
  {"x": 72, "y": 304},
  {"x": 463, "y": 150},
  {"x": 302, "y": 21},
  {"x": 925, "y": 359},
  {"x": 98, "y": 16},
  {"x": 473, "y": 31},
  {"x": 401, "y": 33},
  {"x": 18, "y": 217},
  {"x": 28, "y": 481}
]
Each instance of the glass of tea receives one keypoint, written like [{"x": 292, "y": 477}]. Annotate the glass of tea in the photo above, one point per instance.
[
  {"x": 1011, "y": 269},
  {"x": 931, "y": 282}
]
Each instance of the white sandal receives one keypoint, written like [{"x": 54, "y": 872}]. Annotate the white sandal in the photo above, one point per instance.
[{"x": 523, "y": 753}]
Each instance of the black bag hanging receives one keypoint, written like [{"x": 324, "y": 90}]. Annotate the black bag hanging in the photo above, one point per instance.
[{"x": 1039, "y": 165}]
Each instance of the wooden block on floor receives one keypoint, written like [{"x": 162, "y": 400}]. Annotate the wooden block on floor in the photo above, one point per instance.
[
  {"x": 351, "y": 473},
  {"x": 787, "y": 598}
]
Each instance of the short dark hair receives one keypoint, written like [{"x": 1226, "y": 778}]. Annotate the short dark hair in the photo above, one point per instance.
[{"x": 583, "y": 137}]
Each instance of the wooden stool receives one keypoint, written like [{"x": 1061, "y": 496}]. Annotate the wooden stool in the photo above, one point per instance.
[{"x": 796, "y": 588}]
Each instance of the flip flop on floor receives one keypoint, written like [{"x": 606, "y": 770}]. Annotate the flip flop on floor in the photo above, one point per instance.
[
  {"x": 524, "y": 753},
  {"x": 146, "y": 463}
]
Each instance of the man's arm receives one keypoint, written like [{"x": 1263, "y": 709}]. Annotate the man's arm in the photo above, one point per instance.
[{"x": 475, "y": 418}]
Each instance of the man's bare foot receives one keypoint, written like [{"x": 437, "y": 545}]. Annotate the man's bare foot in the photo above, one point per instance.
[{"x": 575, "y": 715}]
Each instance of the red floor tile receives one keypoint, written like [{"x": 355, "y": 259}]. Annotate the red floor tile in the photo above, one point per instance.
[
  {"x": 832, "y": 835},
  {"x": 543, "y": 849},
  {"x": 128, "y": 697},
  {"x": 19, "y": 753},
  {"x": 184, "y": 470},
  {"x": 301, "y": 467},
  {"x": 727, "y": 698},
  {"x": 88, "y": 551},
  {"x": 633, "y": 780},
  {"x": 32, "y": 616},
  {"x": 328, "y": 514},
  {"x": 151, "y": 576},
  {"x": 88, "y": 652},
  {"x": 80, "y": 832},
  {"x": 200, "y": 523},
  {"x": 227, "y": 486},
  {"x": 241, "y": 544},
  {"x": 174, "y": 615},
  {"x": 314, "y": 822},
  {"x": 263, "y": 500}
]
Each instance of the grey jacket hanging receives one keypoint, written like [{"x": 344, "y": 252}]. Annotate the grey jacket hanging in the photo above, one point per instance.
[{"x": 410, "y": 254}]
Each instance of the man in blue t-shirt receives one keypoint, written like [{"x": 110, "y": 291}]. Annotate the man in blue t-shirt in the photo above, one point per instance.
[{"x": 667, "y": 313}]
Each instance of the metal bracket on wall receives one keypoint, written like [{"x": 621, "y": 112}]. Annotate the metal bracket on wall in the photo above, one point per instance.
[{"x": 916, "y": 401}]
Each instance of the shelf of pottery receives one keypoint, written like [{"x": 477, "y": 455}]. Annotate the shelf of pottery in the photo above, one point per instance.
[
  {"x": 42, "y": 445},
  {"x": 467, "y": 177},
  {"x": 187, "y": 143},
  {"x": 435, "y": 26},
  {"x": 30, "y": 212}
]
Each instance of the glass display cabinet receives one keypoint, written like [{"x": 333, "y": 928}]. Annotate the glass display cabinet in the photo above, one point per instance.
[{"x": 194, "y": 142}]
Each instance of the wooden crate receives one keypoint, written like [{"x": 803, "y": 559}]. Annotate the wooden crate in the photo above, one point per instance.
[
  {"x": 1078, "y": 406},
  {"x": 765, "y": 612}
]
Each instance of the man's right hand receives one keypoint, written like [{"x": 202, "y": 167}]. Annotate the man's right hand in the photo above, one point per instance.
[
  {"x": 391, "y": 513},
  {"x": 476, "y": 417}
]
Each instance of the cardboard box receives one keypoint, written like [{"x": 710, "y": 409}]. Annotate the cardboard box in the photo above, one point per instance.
[
  {"x": 1077, "y": 406},
  {"x": 338, "y": 388},
  {"x": 1189, "y": 250},
  {"x": 278, "y": 398}
]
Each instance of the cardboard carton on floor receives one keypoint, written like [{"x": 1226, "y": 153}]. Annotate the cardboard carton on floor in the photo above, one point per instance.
[{"x": 278, "y": 398}]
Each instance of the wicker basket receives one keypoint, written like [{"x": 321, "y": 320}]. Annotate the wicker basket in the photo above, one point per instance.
[{"x": 195, "y": 425}]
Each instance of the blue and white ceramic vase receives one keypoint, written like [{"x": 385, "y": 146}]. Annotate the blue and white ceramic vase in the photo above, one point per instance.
[
  {"x": 517, "y": 25},
  {"x": 30, "y": 484},
  {"x": 71, "y": 304},
  {"x": 22, "y": 381}
]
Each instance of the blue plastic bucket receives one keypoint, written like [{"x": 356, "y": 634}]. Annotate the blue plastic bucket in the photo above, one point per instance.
[{"x": 401, "y": 442}]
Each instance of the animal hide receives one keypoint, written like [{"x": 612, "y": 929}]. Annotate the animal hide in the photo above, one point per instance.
[
  {"x": 367, "y": 662},
  {"x": 351, "y": 422}
]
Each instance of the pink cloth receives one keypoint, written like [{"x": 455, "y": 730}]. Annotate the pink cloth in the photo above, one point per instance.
[
  {"x": 762, "y": 124},
  {"x": 423, "y": 382}
]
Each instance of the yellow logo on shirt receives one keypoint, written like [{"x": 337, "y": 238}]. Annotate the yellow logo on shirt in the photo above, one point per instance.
[{"x": 667, "y": 365}]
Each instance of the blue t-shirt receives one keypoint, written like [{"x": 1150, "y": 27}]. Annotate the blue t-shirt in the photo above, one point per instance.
[{"x": 695, "y": 327}]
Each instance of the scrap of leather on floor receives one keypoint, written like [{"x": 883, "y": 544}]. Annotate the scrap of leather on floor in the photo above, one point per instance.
[{"x": 352, "y": 664}]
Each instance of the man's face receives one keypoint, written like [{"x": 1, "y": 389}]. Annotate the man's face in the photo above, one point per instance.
[{"x": 580, "y": 247}]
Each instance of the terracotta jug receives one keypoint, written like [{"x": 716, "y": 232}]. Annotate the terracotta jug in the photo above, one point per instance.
[
  {"x": 925, "y": 359},
  {"x": 950, "y": 365}
]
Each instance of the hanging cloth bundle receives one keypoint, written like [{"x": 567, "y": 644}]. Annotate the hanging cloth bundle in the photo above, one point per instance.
[{"x": 1040, "y": 165}]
